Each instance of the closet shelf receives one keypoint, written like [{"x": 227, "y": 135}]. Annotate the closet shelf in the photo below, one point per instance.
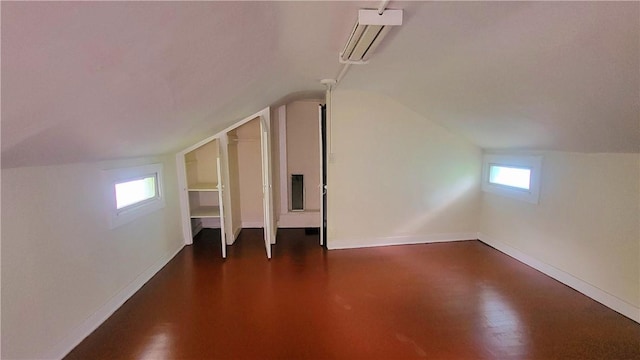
[
  {"x": 205, "y": 212},
  {"x": 203, "y": 187}
]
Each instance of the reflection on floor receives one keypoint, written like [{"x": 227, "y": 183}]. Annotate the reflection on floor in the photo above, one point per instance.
[{"x": 460, "y": 300}]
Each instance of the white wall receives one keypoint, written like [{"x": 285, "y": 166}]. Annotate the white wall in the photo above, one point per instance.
[
  {"x": 250, "y": 174},
  {"x": 275, "y": 160},
  {"x": 586, "y": 224},
  {"x": 303, "y": 149},
  {"x": 397, "y": 177},
  {"x": 234, "y": 190},
  {"x": 63, "y": 269}
]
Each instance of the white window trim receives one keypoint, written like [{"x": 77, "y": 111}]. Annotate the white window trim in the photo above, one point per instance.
[
  {"x": 534, "y": 163},
  {"x": 119, "y": 217}
]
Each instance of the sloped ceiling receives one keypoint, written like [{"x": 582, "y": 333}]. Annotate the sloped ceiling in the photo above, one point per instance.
[
  {"x": 522, "y": 75},
  {"x": 101, "y": 80}
]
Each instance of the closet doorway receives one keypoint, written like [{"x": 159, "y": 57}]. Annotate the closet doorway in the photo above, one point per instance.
[
  {"x": 236, "y": 170},
  {"x": 202, "y": 190},
  {"x": 244, "y": 154},
  {"x": 301, "y": 175}
]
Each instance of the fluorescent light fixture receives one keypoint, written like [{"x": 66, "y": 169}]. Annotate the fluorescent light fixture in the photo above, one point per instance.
[{"x": 367, "y": 34}]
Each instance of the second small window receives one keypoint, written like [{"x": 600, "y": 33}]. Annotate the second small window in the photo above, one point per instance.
[
  {"x": 513, "y": 176},
  {"x": 517, "y": 177}
]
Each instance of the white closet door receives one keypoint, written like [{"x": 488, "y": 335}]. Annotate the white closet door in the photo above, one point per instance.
[
  {"x": 322, "y": 187},
  {"x": 267, "y": 197},
  {"x": 221, "y": 188}
]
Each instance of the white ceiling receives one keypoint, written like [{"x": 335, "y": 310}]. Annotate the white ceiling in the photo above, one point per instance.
[{"x": 102, "y": 80}]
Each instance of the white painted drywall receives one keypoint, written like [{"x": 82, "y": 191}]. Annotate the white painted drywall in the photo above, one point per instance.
[
  {"x": 275, "y": 160},
  {"x": 234, "y": 191},
  {"x": 586, "y": 223},
  {"x": 303, "y": 149},
  {"x": 397, "y": 177},
  {"x": 206, "y": 157},
  {"x": 61, "y": 264},
  {"x": 250, "y": 174}
]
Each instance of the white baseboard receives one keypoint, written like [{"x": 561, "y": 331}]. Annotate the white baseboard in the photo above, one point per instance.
[
  {"x": 595, "y": 293},
  {"x": 399, "y": 240},
  {"x": 88, "y": 326}
]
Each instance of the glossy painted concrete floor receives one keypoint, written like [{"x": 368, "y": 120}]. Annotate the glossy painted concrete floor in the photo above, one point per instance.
[{"x": 460, "y": 300}]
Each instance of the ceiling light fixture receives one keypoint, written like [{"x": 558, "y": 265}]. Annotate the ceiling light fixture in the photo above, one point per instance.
[{"x": 367, "y": 34}]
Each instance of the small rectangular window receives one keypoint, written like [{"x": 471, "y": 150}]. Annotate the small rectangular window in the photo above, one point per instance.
[
  {"x": 133, "y": 192},
  {"x": 130, "y": 193},
  {"x": 513, "y": 176},
  {"x": 510, "y": 176}
]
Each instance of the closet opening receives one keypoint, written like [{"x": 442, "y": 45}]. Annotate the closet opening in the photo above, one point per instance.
[
  {"x": 300, "y": 145},
  {"x": 244, "y": 153},
  {"x": 203, "y": 191},
  {"x": 225, "y": 182}
]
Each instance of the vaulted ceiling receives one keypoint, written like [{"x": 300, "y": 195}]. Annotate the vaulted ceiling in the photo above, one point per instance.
[{"x": 101, "y": 80}]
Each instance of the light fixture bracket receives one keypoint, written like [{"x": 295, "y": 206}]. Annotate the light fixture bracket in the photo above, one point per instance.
[
  {"x": 367, "y": 34},
  {"x": 351, "y": 62}
]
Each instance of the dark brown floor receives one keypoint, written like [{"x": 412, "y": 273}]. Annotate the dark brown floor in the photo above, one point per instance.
[{"x": 460, "y": 300}]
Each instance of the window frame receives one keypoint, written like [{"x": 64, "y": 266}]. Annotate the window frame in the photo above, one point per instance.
[
  {"x": 129, "y": 213},
  {"x": 532, "y": 163}
]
